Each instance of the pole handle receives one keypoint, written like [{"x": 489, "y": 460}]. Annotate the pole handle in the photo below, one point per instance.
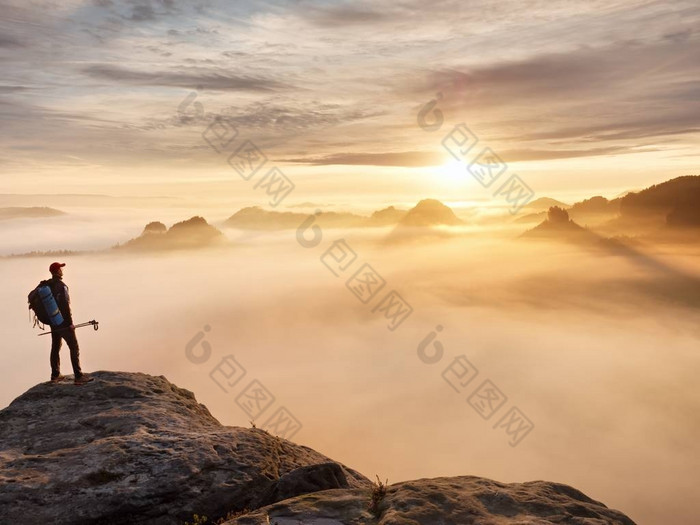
[{"x": 95, "y": 326}]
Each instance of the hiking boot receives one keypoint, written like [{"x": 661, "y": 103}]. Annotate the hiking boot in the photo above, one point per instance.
[
  {"x": 84, "y": 378},
  {"x": 57, "y": 379}
]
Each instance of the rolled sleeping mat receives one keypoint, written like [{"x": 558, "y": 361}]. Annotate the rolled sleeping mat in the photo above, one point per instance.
[{"x": 55, "y": 317}]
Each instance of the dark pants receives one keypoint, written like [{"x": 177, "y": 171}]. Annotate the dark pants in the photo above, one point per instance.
[{"x": 57, "y": 337}]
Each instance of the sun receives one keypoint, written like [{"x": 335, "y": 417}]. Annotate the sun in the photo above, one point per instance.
[{"x": 452, "y": 172}]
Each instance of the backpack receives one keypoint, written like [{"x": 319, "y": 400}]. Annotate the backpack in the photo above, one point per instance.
[{"x": 44, "y": 306}]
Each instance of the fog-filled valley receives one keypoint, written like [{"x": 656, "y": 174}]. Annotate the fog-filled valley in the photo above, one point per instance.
[{"x": 595, "y": 344}]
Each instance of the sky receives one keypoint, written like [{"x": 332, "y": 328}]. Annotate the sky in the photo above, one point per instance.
[{"x": 578, "y": 98}]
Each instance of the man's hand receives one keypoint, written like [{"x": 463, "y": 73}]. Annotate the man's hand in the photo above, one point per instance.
[{"x": 72, "y": 327}]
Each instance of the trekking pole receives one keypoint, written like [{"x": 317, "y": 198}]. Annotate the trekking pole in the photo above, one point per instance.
[{"x": 95, "y": 326}]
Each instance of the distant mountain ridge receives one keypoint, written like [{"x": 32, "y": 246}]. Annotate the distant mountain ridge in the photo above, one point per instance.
[
  {"x": 427, "y": 213},
  {"x": 664, "y": 195},
  {"x": 544, "y": 203},
  {"x": 673, "y": 205},
  {"x": 676, "y": 201},
  {"x": 430, "y": 212},
  {"x": 595, "y": 209},
  {"x": 28, "y": 212},
  {"x": 257, "y": 218},
  {"x": 668, "y": 211},
  {"x": 595, "y": 206},
  {"x": 192, "y": 233}
]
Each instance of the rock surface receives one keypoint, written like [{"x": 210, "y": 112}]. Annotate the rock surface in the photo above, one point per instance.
[
  {"x": 133, "y": 448},
  {"x": 463, "y": 500}
]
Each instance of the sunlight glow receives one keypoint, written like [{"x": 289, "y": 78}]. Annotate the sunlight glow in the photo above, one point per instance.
[{"x": 452, "y": 172}]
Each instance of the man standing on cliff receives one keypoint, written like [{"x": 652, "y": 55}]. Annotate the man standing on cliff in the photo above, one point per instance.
[{"x": 64, "y": 331}]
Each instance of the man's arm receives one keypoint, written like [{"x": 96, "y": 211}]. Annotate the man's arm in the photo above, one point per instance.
[
  {"x": 69, "y": 314},
  {"x": 63, "y": 300}
]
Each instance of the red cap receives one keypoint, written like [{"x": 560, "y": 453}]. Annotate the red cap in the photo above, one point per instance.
[{"x": 55, "y": 266}]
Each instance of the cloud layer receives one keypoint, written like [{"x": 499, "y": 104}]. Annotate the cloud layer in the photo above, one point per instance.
[{"x": 540, "y": 80}]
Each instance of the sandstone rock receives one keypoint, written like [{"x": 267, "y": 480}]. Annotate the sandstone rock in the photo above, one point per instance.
[
  {"x": 132, "y": 448},
  {"x": 312, "y": 478},
  {"x": 463, "y": 500}
]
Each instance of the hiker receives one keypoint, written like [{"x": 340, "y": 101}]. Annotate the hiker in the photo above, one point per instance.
[{"x": 66, "y": 330}]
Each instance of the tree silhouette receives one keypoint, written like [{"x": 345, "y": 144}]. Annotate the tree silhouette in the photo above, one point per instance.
[{"x": 557, "y": 215}]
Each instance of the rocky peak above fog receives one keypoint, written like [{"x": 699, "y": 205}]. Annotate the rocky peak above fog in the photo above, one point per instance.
[{"x": 195, "y": 232}]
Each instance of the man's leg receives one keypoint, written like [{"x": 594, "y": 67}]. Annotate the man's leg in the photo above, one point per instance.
[
  {"x": 55, "y": 358},
  {"x": 72, "y": 342}
]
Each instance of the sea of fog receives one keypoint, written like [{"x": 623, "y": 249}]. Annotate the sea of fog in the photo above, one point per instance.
[{"x": 599, "y": 350}]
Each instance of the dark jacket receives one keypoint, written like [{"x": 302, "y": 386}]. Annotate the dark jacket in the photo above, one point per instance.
[{"x": 60, "y": 294}]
